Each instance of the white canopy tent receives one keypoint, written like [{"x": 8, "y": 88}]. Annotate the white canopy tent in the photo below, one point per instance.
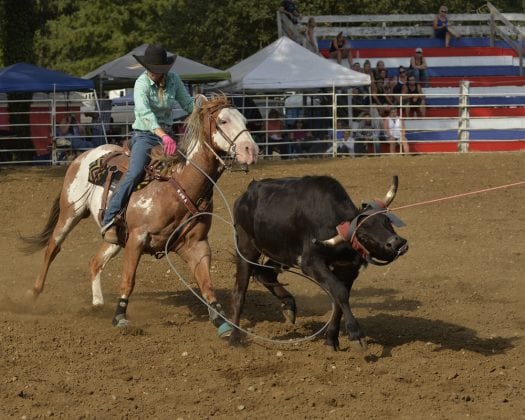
[{"x": 286, "y": 65}]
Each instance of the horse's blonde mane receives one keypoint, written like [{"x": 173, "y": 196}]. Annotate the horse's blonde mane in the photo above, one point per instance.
[{"x": 194, "y": 132}]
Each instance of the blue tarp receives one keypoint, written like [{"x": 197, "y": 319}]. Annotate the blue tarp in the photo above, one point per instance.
[{"x": 23, "y": 77}]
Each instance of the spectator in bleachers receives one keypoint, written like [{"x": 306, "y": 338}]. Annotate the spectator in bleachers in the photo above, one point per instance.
[
  {"x": 291, "y": 25},
  {"x": 442, "y": 27},
  {"x": 394, "y": 129},
  {"x": 299, "y": 136},
  {"x": 413, "y": 98},
  {"x": 400, "y": 81},
  {"x": 275, "y": 127},
  {"x": 289, "y": 8},
  {"x": 367, "y": 69},
  {"x": 418, "y": 67},
  {"x": 311, "y": 37},
  {"x": 360, "y": 100},
  {"x": 380, "y": 90},
  {"x": 340, "y": 49},
  {"x": 69, "y": 133},
  {"x": 380, "y": 65},
  {"x": 366, "y": 134}
]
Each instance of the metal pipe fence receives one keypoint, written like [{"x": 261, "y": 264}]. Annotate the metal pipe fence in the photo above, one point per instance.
[{"x": 290, "y": 125}]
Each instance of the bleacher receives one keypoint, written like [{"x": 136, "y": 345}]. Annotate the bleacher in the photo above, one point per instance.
[{"x": 496, "y": 96}]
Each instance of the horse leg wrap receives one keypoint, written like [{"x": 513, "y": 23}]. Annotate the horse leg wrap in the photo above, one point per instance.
[
  {"x": 224, "y": 329},
  {"x": 120, "y": 313},
  {"x": 214, "y": 317}
]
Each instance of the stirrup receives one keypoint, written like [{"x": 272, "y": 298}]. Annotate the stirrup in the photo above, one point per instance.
[{"x": 104, "y": 228}]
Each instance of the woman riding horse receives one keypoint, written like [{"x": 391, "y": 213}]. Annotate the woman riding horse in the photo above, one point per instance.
[
  {"x": 154, "y": 94},
  {"x": 214, "y": 131}
]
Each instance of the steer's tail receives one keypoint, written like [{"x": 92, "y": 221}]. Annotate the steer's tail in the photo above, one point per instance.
[{"x": 37, "y": 242}]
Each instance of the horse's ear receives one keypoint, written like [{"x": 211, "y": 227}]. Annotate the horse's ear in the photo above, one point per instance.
[{"x": 200, "y": 100}]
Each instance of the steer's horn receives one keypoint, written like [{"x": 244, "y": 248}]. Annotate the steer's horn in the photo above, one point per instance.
[
  {"x": 336, "y": 240},
  {"x": 391, "y": 194}
]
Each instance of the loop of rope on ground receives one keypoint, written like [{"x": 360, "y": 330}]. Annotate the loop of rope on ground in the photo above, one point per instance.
[{"x": 203, "y": 301}]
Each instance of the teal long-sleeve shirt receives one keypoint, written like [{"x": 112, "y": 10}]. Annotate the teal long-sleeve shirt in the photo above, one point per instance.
[{"x": 152, "y": 113}]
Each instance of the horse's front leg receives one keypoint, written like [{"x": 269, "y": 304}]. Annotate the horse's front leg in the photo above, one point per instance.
[
  {"x": 197, "y": 255},
  {"x": 132, "y": 254}
]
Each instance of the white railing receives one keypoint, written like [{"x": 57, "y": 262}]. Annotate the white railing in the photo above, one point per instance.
[{"x": 333, "y": 124}]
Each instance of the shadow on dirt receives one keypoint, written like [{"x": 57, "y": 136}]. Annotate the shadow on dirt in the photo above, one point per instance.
[
  {"x": 392, "y": 331},
  {"x": 386, "y": 329},
  {"x": 263, "y": 306}
]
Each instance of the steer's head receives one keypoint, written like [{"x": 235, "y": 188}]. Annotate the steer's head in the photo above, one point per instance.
[{"x": 371, "y": 232}]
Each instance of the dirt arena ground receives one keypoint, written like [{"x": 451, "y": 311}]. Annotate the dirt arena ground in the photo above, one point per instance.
[{"x": 445, "y": 323}]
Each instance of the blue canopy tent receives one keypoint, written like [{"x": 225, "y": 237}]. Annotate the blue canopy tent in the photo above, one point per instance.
[
  {"x": 23, "y": 77},
  {"x": 27, "y": 78}
]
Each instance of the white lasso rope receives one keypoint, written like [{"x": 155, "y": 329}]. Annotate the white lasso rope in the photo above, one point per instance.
[{"x": 203, "y": 301}]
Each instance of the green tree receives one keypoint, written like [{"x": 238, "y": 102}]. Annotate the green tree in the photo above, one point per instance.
[{"x": 16, "y": 46}]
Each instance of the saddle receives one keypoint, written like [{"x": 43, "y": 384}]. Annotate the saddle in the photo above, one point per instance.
[{"x": 108, "y": 170}]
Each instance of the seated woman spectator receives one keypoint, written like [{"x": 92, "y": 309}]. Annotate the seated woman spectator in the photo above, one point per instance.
[
  {"x": 367, "y": 69},
  {"x": 400, "y": 81},
  {"x": 394, "y": 129},
  {"x": 442, "y": 27},
  {"x": 380, "y": 91},
  {"x": 380, "y": 66},
  {"x": 413, "y": 99},
  {"x": 418, "y": 67},
  {"x": 340, "y": 49}
]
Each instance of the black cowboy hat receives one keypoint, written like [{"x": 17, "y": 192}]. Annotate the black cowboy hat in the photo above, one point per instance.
[{"x": 156, "y": 59}]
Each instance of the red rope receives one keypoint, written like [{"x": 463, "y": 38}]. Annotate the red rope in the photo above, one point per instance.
[{"x": 460, "y": 195}]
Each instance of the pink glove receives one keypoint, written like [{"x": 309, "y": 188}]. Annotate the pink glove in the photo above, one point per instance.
[{"x": 170, "y": 147}]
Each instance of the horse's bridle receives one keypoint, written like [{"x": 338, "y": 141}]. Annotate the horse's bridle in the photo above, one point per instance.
[{"x": 212, "y": 118}]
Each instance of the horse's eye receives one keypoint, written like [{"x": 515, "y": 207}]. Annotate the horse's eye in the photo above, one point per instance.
[{"x": 221, "y": 121}]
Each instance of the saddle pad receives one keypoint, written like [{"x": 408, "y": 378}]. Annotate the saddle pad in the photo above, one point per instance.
[{"x": 100, "y": 168}]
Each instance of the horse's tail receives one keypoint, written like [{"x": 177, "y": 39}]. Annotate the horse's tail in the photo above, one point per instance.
[{"x": 39, "y": 241}]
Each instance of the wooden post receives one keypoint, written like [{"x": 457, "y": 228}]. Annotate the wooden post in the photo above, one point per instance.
[
  {"x": 279, "y": 25},
  {"x": 463, "y": 128},
  {"x": 492, "y": 28}
]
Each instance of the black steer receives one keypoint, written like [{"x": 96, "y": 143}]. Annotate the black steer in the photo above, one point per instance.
[{"x": 311, "y": 223}]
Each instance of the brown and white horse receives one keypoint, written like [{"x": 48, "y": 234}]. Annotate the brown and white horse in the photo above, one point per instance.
[{"x": 213, "y": 130}]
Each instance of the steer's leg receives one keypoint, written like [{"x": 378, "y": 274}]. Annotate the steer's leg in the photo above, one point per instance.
[
  {"x": 244, "y": 270},
  {"x": 340, "y": 290},
  {"x": 268, "y": 278}
]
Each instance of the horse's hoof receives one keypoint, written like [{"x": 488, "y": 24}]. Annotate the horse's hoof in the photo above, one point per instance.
[
  {"x": 120, "y": 321},
  {"x": 289, "y": 315},
  {"x": 289, "y": 309},
  {"x": 225, "y": 330},
  {"x": 332, "y": 345},
  {"x": 359, "y": 345}
]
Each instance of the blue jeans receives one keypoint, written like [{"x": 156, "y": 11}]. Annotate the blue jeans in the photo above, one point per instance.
[{"x": 140, "y": 145}]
